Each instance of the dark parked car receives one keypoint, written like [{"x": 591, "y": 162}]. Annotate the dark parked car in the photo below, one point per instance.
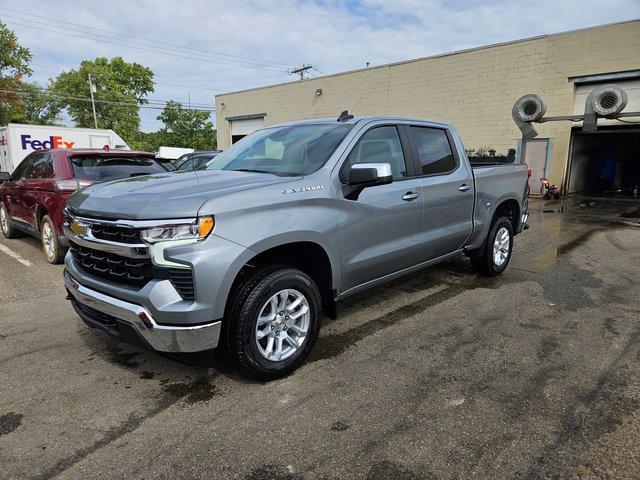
[
  {"x": 195, "y": 160},
  {"x": 33, "y": 198}
]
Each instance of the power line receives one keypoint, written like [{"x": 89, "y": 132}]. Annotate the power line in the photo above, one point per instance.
[
  {"x": 300, "y": 71},
  {"x": 143, "y": 39},
  {"x": 46, "y": 90},
  {"x": 190, "y": 87},
  {"x": 127, "y": 44},
  {"x": 113, "y": 102},
  {"x": 152, "y": 50},
  {"x": 60, "y": 68}
]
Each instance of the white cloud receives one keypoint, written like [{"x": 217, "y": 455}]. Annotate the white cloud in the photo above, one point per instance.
[{"x": 331, "y": 35}]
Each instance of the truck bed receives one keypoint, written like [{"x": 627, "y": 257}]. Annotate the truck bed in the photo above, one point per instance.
[{"x": 495, "y": 183}]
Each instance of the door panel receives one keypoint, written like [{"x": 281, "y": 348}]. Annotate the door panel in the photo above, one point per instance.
[
  {"x": 18, "y": 184},
  {"x": 30, "y": 202},
  {"x": 536, "y": 159},
  {"x": 447, "y": 190},
  {"x": 14, "y": 197},
  {"x": 447, "y": 220},
  {"x": 380, "y": 229},
  {"x": 380, "y": 233}
]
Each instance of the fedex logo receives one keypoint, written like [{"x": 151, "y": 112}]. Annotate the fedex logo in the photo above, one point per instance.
[{"x": 54, "y": 141}]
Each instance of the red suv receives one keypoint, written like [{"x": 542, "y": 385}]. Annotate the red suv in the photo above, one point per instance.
[{"x": 33, "y": 198}]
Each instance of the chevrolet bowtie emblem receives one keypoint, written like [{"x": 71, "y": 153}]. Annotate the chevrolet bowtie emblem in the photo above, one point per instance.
[{"x": 78, "y": 228}]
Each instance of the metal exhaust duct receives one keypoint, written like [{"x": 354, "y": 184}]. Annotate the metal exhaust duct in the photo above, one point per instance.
[
  {"x": 528, "y": 108},
  {"x": 604, "y": 101}
]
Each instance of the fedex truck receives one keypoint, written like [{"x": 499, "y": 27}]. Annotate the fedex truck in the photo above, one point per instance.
[{"x": 18, "y": 140}]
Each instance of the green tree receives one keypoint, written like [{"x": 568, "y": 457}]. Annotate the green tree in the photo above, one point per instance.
[
  {"x": 185, "y": 127},
  {"x": 40, "y": 107},
  {"x": 14, "y": 64},
  {"x": 120, "y": 88},
  {"x": 148, "y": 141}
]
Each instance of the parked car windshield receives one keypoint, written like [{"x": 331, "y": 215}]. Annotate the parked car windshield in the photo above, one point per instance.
[
  {"x": 194, "y": 162},
  {"x": 105, "y": 168},
  {"x": 285, "y": 151}
]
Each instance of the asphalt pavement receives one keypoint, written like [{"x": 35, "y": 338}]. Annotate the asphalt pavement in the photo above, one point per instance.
[{"x": 440, "y": 375}]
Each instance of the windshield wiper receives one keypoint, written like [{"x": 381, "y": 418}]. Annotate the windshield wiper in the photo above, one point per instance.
[{"x": 253, "y": 170}]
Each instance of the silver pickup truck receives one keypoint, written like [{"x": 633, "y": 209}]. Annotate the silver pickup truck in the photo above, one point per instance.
[{"x": 250, "y": 251}]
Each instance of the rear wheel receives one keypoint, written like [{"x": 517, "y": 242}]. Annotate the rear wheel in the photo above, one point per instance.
[
  {"x": 274, "y": 322},
  {"x": 53, "y": 251},
  {"x": 494, "y": 256},
  {"x": 5, "y": 224}
]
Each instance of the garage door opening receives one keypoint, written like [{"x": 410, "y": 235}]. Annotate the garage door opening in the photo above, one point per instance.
[
  {"x": 606, "y": 162},
  {"x": 244, "y": 125}
]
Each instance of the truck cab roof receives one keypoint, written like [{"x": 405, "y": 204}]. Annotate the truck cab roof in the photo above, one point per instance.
[{"x": 365, "y": 119}]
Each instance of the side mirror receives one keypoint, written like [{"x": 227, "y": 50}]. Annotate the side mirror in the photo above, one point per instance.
[
  {"x": 5, "y": 176},
  {"x": 370, "y": 174}
]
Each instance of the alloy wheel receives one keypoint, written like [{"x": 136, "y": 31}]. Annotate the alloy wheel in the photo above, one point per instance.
[
  {"x": 4, "y": 221},
  {"x": 501, "y": 246},
  {"x": 283, "y": 324},
  {"x": 47, "y": 240}
]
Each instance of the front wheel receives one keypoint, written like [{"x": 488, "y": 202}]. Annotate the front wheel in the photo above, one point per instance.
[
  {"x": 53, "y": 251},
  {"x": 274, "y": 322},
  {"x": 494, "y": 256}
]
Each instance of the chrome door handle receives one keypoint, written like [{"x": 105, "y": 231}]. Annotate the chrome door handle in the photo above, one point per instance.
[
  {"x": 464, "y": 187},
  {"x": 407, "y": 197}
]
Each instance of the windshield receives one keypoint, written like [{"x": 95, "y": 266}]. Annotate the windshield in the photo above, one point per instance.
[
  {"x": 106, "y": 168},
  {"x": 286, "y": 151}
]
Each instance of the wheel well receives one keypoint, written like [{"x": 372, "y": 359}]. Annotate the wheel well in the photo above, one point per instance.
[
  {"x": 511, "y": 210},
  {"x": 40, "y": 213},
  {"x": 309, "y": 257}
]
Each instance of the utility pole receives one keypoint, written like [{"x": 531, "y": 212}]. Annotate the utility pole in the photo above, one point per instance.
[
  {"x": 92, "y": 89},
  {"x": 300, "y": 71}
]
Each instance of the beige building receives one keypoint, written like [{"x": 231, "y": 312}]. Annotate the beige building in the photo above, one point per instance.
[{"x": 476, "y": 89}]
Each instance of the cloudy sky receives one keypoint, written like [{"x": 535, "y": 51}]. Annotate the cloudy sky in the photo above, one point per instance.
[{"x": 198, "y": 48}]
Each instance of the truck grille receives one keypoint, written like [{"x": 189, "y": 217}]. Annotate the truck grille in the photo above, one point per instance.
[
  {"x": 113, "y": 267},
  {"x": 114, "y": 233},
  {"x": 131, "y": 271}
]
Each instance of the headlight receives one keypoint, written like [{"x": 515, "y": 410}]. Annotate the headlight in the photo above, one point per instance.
[{"x": 198, "y": 230}]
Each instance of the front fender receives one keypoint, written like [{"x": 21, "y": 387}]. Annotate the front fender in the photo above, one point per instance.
[{"x": 305, "y": 236}]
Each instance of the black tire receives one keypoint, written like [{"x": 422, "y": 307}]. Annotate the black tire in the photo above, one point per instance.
[
  {"x": 483, "y": 260},
  {"x": 53, "y": 251},
  {"x": 243, "y": 316},
  {"x": 7, "y": 230}
]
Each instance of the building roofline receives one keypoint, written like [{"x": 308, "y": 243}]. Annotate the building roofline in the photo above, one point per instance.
[{"x": 429, "y": 57}]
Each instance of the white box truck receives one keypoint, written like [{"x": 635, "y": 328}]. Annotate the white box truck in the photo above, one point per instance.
[
  {"x": 18, "y": 140},
  {"x": 173, "y": 153}
]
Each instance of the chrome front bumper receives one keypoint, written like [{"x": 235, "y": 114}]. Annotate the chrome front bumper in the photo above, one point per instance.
[{"x": 163, "y": 338}]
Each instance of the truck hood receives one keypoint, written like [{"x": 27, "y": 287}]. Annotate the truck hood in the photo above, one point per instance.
[{"x": 165, "y": 195}]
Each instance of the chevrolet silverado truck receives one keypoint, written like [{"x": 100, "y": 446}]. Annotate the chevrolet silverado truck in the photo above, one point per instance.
[{"x": 250, "y": 251}]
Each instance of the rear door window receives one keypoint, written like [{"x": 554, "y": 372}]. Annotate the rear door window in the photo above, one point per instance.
[
  {"x": 433, "y": 149},
  {"x": 106, "y": 168},
  {"x": 22, "y": 170},
  {"x": 42, "y": 167}
]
